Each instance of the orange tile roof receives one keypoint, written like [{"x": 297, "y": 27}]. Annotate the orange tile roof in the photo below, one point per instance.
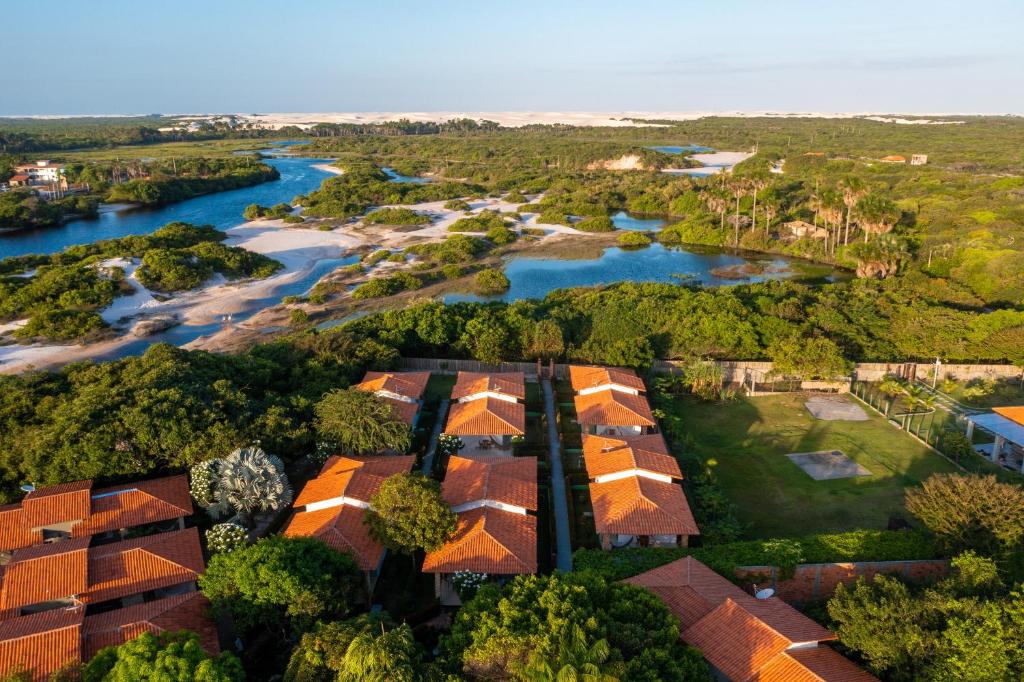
[
  {"x": 57, "y": 504},
  {"x": 15, "y": 532},
  {"x": 641, "y": 506},
  {"x": 490, "y": 541},
  {"x": 613, "y": 408},
  {"x": 583, "y": 377},
  {"x": 41, "y": 642},
  {"x": 652, "y": 442},
  {"x": 487, "y": 417},
  {"x": 44, "y": 573},
  {"x": 734, "y": 641},
  {"x": 510, "y": 480},
  {"x": 403, "y": 411},
  {"x": 688, "y": 572},
  {"x": 1015, "y": 414},
  {"x": 148, "y": 563},
  {"x": 410, "y": 384},
  {"x": 601, "y": 462},
  {"x": 355, "y": 477},
  {"x": 171, "y": 614},
  {"x": 344, "y": 528},
  {"x": 813, "y": 663},
  {"x": 512, "y": 384},
  {"x": 94, "y": 510}
]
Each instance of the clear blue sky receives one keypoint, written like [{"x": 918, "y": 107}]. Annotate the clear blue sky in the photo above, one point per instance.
[{"x": 113, "y": 56}]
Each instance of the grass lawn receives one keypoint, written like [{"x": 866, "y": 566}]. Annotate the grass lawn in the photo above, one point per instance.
[{"x": 747, "y": 441}]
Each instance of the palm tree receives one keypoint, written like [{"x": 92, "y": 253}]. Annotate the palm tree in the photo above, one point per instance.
[
  {"x": 877, "y": 214},
  {"x": 575, "y": 662},
  {"x": 880, "y": 258},
  {"x": 756, "y": 184},
  {"x": 716, "y": 204},
  {"x": 739, "y": 190},
  {"x": 771, "y": 209},
  {"x": 249, "y": 481},
  {"x": 852, "y": 189}
]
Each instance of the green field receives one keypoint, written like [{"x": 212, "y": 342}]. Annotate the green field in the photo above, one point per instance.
[{"x": 747, "y": 441}]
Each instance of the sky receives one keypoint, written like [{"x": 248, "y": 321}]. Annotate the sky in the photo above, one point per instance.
[{"x": 263, "y": 56}]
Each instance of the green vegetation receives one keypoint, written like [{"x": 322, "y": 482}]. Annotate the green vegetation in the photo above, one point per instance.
[
  {"x": 276, "y": 212},
  {"x": 395, "y": 216},
  {"x": 746, "y": 442},
  {"x": 570, "y": 625},
  {"x": 191, "y": 177},
  {"x": 169, "y": 655},
  {"x": 65, "y": 290},
  {"x": 408, "y": 514},
  {"x": 595, "y": 224},
  {"x": 499, "y": 236},
  {"x": 634, "y": 239},
  {"x": 491, "y": 281},
  {"x": 23, "y": 208},
  {"x": 457, "y": 205},
  {"x": 456, "y": 248},
  {"x": 484, "y": 221},
  {"x": 387, "y": 286},
  {"x": 360, "y": 422}
]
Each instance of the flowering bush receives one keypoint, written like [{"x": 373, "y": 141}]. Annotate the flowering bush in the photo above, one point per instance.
[
  {"x": 466, "y": 583},
  {"x": 225, "y": 537},
  {"x": 201, "y": 477},
  {"x": 448, "y": 444},
  {"x": 324, "y": 449}
]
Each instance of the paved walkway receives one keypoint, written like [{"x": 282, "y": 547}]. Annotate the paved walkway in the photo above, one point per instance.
[
  {"x": 563, "y": 544},
  {"x": 947, "y": 403},
  {"x": 428, "y": 459}
]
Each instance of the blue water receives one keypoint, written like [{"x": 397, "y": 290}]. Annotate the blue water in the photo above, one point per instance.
[
  {"x": 627, "y": 221},
  {"x": 689, "y": 149},
  {"x": 536, "y": 277},
  {"x": 222, "y": 210},
  {"x": 398, "y": 177}
]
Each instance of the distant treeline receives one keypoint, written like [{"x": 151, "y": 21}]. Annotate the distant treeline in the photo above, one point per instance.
[{"x": 402, "y": 127}]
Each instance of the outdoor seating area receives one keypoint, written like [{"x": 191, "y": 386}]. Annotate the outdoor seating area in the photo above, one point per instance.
[{"x": 1006, "y": 425}]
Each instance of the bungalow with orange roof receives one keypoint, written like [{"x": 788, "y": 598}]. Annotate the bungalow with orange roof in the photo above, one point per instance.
[
  {"x": 72, "y": 573},
  {"x": 43, "y": 643},
  {"x": 495, "y": 500},
  {"x": 333, "y": 507},
  {"x": 1006, "y": 424},
  {"x": 635, "y": 492},
  {"x": 586, "y": 380},
  {"x": 76, "y": 510},
  {"x": 609, "y": 412},
  {"x": 402, "y": 390},
  {"x": 488, "y": 412},
  {"x": 746, "y": 638}
]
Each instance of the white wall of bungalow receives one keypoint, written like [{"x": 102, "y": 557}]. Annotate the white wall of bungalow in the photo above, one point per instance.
[
  {"x": 488, "y": 394},
  {"x": 626, "y": 473},
  {"x": 605, "y": 387},
  {"x": 494, "y": 504}
]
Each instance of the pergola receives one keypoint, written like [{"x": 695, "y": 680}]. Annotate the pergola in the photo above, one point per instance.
[{"x": 1008, "y": 448}]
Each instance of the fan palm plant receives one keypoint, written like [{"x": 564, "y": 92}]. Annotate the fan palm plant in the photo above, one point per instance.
[{"x": 250, "y": 481}]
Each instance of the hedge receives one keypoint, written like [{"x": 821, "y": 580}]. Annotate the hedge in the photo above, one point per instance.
[{"x": 859, "y": 545}]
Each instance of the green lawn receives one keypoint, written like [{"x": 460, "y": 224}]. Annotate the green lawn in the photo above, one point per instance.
[{"x": 747, "y": 441}]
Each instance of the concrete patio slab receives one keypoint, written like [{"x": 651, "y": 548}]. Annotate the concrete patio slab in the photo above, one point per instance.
[
  {"x": 827, "y": 465},
  {"x": 835, "y": 408}
]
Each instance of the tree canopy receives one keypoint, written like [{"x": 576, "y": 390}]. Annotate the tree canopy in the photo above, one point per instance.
[
  {"x": 162, "y": 658},
  {"x": 360, "y": 422},
  {"x": 408, "y": 513}
]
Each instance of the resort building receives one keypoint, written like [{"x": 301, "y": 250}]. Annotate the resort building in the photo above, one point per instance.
[
  {"x": 42, "y": 172},
  {"x": 587, "y": 380},
  {"x": 1006, "y": 424},
  {"x": 77, "y": 510},
  {"x": 495, "y": 500},
  {"x": 332, "y": 507},
  {"x": 609, "y": 412},
  {"x": 918, "y": 159},
  {"x": 46, "y": 642},
  {"x": 402, "y": 390},
  {"x": 636, "y": 493},
  {"x": 742, "y": 637},
  {"x": 488, "y": 413}
]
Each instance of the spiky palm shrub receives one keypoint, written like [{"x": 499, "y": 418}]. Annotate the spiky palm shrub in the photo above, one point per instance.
[{"x": 249, "y": 481}]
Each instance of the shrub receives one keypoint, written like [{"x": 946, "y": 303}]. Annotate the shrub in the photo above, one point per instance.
[
  {"x": 294, "y": 219},
  {"x": 515, "y": 198},
  {"x": 226, "y": 537},
  {"x": 396, "y": 257},
  {"x": 484, "y": 221},
  {"x": 532, "y": 231},
  {"x": 456, "y": 205},
  {"x": 634, "y": 239},
  {"x": 201, "y": 478},
  {"x": 595, "y": 224},
  {"x": 466, "y": 583},
  {"x": 501, "y": 235},
  {"x": 491, "y": 281},
  {"x": 387, "y": 286},
  {"x": 375, "y": 257},
  {"x": 550, "y": 216},
  {"x": 395, "y": 216},
  {"x": 248, "y": 481},
  {"x": 298, "y": 317},
  {"x": 451, "y": 271}
]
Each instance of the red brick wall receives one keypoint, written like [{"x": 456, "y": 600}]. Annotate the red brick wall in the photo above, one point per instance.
[{"x": 813, "y": 582}]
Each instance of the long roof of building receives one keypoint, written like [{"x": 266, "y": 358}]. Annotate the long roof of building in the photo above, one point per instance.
[
  {"x": 1014, "y": 414},
  {"x": 93, "y": 510},
  {"x": 488, "y": 540},
  {"x": 603, "y": 456},
  {"x": 358, "y": 478},
  {"x": 613, "y": 408},
  {"x": 508, "y": 480},
  {"x": 635, "y": 505},
  {"x": 486, "y": 417},
  {"x": 42, "y": 643},
  {"x": 187, "y": 611},
  {"x": 511, "y": 384},
  {"x": 746, "y": 638},
  {"x": 583, "y": 377},
  {"x": 344, "y": 528}
]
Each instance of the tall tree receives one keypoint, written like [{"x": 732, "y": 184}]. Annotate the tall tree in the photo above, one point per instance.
[
  {"x": 360, "y": 422},
  {"x": 408, "y": 513},
  {"x": 167, "y": 656},
  {"x": 853, "y": 189}
]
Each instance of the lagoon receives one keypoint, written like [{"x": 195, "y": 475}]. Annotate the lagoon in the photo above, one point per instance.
[{"x": 624, "y": 220}]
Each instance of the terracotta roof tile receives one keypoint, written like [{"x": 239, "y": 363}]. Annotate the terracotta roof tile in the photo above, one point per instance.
[
  {"x": 137, "y": 504},
  {"x": 685, "y": 602},
  {"x": 510, "y": 480},
  {"x": 613, "y": 408},
  {"x": 822, "y": 662},
  {"x": 601, "y": 462},
  {"x": 343, "y": 528},
  {"x": 41, "y": 642},
  {"x": 584, "y": 377},
  {"x": 355, "y": 477},
  {"x": 652, "y": 442},
  {"x": 148, "y": 563},
  {"x": 512, "y": 384},
  {"x": 404, "y": 411},
  {"x": 735, "y": 641},
  {"x": 15, "y": 532},
  {"x": 488, "y": 541},
  {"x": 410, "y": 384},
  {"x": 44, "y": 573},
  {"x": 171, "y": 614},
  {"x": 487, "y": 417},
  {"x": 57, "y": 504},
  {"x": 1015, "y": 414},
  {"x": 641, "y": 506}
]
